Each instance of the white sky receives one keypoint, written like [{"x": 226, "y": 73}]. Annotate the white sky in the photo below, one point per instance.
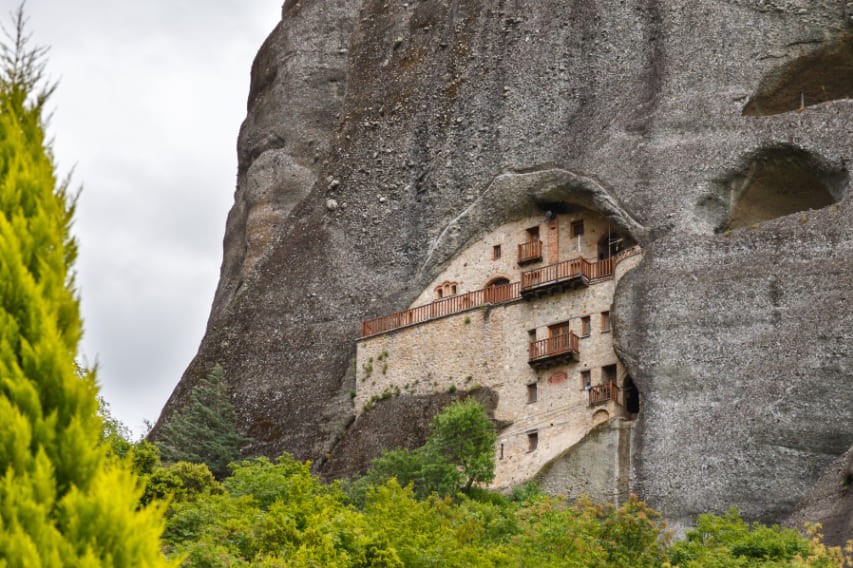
[{"x": 150, "y": 99}]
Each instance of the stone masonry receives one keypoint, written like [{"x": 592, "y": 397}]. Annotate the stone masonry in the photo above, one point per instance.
[{"x": 548, "y": 410}]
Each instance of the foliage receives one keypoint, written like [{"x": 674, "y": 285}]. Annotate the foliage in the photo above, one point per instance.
[
  {"x": 465, "y": 437},
  {"x": 459, "y": 452},
  {"x": 729, "y": 541},
  {"x": 180, "y": 482},
  {"x": 278, "y": 514},
  {"x": 425, "y": 470},
  {"x": 204, "y": 431},
  {"x": 63, "y": 501}
]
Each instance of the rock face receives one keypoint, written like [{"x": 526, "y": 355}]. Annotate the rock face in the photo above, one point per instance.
[{"x": 374, "y": 127}]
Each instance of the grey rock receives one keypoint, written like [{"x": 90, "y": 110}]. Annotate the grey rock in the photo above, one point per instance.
[{"x": 663, "y": 115}]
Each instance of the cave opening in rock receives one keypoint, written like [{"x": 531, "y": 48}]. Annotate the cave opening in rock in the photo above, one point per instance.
[
  {"x": 631, "y": 396},
  {"x": 774, "y": 182},
  {"x": 613, "y": 242},
  {"x": 821, "y": 75}
]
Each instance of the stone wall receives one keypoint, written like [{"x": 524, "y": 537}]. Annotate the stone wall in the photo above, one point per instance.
[
  {"x": 599, "y": 466},
  {"x": 487, "y": 346}
]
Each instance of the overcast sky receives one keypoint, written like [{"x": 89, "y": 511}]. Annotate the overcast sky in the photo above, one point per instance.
[{"x": 150, "y": 99}]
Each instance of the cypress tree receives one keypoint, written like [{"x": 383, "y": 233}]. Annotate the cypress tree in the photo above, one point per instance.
[
  {"x": 204, "y": 431},
  {"x": 63, "y": 502}
]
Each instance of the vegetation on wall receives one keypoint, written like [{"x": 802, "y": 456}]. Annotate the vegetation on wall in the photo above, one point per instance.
[{"x": 64, "y": 501}]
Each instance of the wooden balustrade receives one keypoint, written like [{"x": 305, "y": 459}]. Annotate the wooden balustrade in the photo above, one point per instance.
[
  {"x": 562, "y": 272},
  {"x": 441, "y": 308},
  {"x": 602, "y": 393},
  {"x": 563, "y": 344},
  {"x": 601, "y": 269},
  {"x": 627, "y": 253},
  {"x": 530, "y": 251}
]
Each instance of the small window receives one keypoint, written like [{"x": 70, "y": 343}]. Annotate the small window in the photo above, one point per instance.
[
  {"x": 496, "y": 252},
  {"x": 531, "y": 335},
  {"x": 585, "y": 326},
  {"x": 605, "y": 321},
  {"x": 532, "y": 441},
  {"x": 502, "y": 452},
  {"x": 445, "y": 289},
  {"x": 608, "y": 374},
  {"x": 586, "y": 380},
  {"x": 577, "y": 228},
  {"x": 533, "y": 234},
  {"x": 532, "y": 393}
]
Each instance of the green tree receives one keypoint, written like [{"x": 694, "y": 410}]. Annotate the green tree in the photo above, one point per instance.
[
  {"x": 63, "y": 501},
  {"x": 180, "y": 482},
  {"x": 727, "y": 540},
  {"x": 459, "y": 452},
  {"x": 464, "y": 436},
  {"x": 204, "y": 431}
]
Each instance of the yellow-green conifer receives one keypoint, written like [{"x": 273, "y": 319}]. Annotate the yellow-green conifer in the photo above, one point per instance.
[{"x": 63, "y": 502}]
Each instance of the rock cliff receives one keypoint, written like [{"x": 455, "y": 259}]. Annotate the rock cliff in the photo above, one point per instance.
[{"x": 717, "y": 133}]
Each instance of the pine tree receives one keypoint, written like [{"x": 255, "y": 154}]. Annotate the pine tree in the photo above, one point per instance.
[
  {"x": 204, "y": 431},
  {"x": 63, "y": 502}
]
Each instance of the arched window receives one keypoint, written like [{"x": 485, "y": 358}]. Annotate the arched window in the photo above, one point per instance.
[
  {"x": 497, "y": 281},
  {"x": 497, "y": 290},
  {"x": 446, "y": 289}
]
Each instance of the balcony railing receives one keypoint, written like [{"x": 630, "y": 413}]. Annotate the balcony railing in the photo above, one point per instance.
[
  {"x": 575, "y": 271},
  {"x": 530, "y": 252},
  {"x": 602, "y": 393},
  {"x": 441, "y": 308},
  {"x": 555, "y": 349}
]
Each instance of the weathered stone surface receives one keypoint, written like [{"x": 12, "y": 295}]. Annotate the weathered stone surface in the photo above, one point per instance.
[
  {"x": 407, "y": 113},
  {"x": 831, "y": 501},
  {"x": 598, "y": 467},
  {"x": 396, "y": 422}
]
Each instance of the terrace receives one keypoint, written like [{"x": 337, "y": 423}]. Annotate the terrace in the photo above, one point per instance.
[
  {"x": 555, "y": 350},
  {"x": 572, "y": 273},
  {"x": 599, "y": 394},
  {"x": 440, "y": 308},
  {"x": 530, "y": 252}
]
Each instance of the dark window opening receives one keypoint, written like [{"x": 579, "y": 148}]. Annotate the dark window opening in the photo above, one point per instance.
[
  {"x": 586, "y": 326},
  {"x": 532, "y": 393},
  {"x": 605, "y": 321},
  {"x": 631, "y": 396},
  {"x": 532, "y": 441},
  {"x": 496, "y": 252},
  {"x": 586, "y": 380},
  {"x": 577, "y": 228},
  {"x": 533, "y": 234},
  {"x": 608, "y": 374}
]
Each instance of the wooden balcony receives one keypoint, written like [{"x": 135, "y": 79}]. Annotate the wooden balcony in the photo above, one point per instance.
[
  {"x": 530, "y": 252},
  {"x": 599, "y": 394},
  {"x": 553, "y": 351},
  {"x": 562, "y": 275},
  {"x": 441, "y": 308}
]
